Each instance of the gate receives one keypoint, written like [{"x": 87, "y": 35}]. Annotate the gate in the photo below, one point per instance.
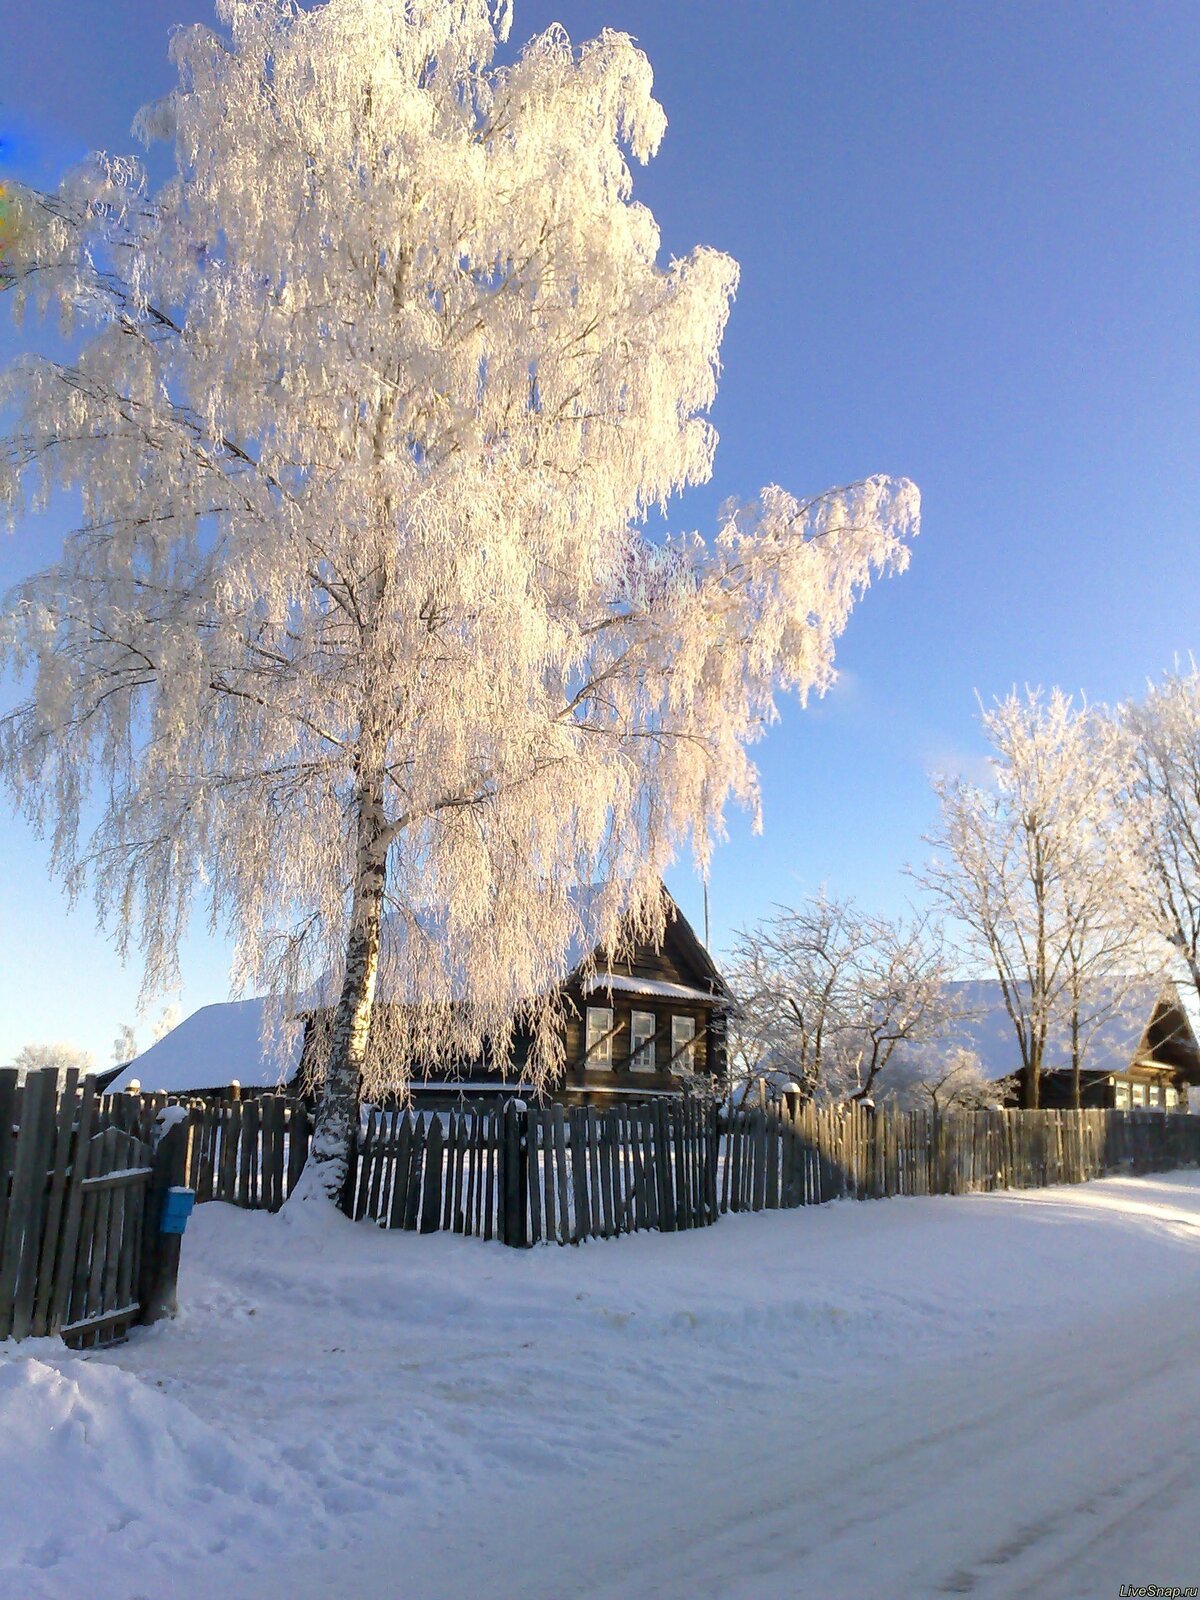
[
  {"x": 100, "y": 1268},
  {"x": 80, "y": 1251}
]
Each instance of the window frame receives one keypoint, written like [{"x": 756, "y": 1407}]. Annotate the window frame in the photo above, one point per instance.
[
  {"x": 642, "y": 1056},
  {"x": 679, "y": 1061},
  {"x": 602, "y": 1054}
]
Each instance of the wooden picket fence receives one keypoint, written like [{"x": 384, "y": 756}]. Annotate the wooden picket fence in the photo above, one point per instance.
[
  {"x": 249, "y": 1152},
  {"x": 82, "y": 1183},
  {"x": 564, "y": 1175},
  {"x": 526, "y": 1175},
  {"x": 806, "y": 1154},
  {"x": 80, "y": 1200},
  {"x": 550, "y": 1173}
]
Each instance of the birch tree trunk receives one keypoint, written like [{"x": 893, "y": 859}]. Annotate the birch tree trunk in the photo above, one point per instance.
[
  {"x": 337, "y": 1108},
  {"x": 1076, "y": 1075}
]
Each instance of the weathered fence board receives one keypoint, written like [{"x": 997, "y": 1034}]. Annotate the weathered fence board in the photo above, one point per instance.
[{"x": 73, "y": 1204}]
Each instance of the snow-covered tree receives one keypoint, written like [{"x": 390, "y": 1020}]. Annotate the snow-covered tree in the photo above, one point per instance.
[
  {"x": 363, "y": 634},
  {"x": 50, "y": 1057},
  {"x": 1157, "y": 847},
  {"x": 124, "y": 1045},
  {"x": 1022, "y": 868},
  {"x": 826, "y": 993},
  {"x": 944, "y": 1080},
  {"x": 169, "y": 1017}
]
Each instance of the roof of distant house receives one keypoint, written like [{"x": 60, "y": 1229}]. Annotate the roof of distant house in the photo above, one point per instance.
[{"x": 986, "y": 1029}]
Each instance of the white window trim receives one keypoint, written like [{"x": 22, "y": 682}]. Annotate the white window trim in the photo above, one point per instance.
[
  {"x": 685, "y": 1062},
  {"x": 641, "y": 1056},
  {"x": 602, "y": 1055}
]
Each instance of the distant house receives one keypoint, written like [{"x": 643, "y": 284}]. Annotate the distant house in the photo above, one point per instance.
[
  {"x": 1145, "y": 1056},
  {"x": 641, "y": 1027}
]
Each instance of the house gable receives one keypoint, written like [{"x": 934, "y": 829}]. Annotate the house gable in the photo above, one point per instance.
[
  {"x": 643, "y": 1003},
  {"x": 1169, "y": 1039}
]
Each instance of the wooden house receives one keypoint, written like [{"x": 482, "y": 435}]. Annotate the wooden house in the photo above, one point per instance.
[
  {"x": 1148, "y": 1062},
  {"x": 651, "y": 1023},
  {"x": 648, "y": 1024},
  {"x": 1145, "y": 1055}
]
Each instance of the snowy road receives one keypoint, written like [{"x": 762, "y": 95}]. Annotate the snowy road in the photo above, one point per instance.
[
  {"x": 994, "y": 1395},
  {"x": 1056, "y": 1470}
]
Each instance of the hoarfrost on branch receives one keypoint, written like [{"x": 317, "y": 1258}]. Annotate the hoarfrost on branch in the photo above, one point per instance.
[
  {"x": 827, "y": 994},
  {"x": 1026, "y": 869},
  {"x": 369, "y": 406}
]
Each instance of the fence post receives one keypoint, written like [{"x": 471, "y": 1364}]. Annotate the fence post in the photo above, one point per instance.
[
  {"x": 159, "y": 1274},
  {"x": 514, "y": 1175}
]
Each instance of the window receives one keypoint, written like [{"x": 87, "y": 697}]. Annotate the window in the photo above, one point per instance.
[
  {"x": 1172, "y": 1099},
  {"x": 641, "y": 1041},
  {"x": 1121, "y": 1100},
  {"x": 683, "y": 1051},
  {"x": 1139, "y": 1094},
  {"x": 1152, "y": 1095},
  {"x": 598, "y": 1038}
]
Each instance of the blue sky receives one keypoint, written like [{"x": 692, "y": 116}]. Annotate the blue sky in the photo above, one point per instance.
[{"x": 968, "y": 237}]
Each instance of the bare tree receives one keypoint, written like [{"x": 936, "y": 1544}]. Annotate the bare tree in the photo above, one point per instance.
[
  {"x": 903, "y": 999},
  {"x": 945, "y": 1080},
  {"x": 826, "y": 994},
  {"x": 1021, "y": 870}
]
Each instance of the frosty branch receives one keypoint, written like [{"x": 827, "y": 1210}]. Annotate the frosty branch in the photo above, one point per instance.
[{"x": 361, "y": 625}]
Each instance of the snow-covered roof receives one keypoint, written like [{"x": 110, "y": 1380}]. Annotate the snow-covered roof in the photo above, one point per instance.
[
  {"x": 215, "y": 1046},
  {"x": 986, "y": 1029},
  {"x": 658, "y": 988}
]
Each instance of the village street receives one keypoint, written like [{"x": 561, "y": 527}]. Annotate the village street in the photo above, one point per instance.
[
  {"x": 1040, "y": 1466},
  {"x": 993, "y": 1395},
  {"x": 600, "y": 755}
]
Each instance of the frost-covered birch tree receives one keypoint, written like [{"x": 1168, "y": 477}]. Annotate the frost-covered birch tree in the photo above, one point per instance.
[
  {"x": 362, "y": 635},
  {"x": 1157, "y": 854},
  {"x": 1023, "y": 869},
  {"x": 124, "y": 1045}
]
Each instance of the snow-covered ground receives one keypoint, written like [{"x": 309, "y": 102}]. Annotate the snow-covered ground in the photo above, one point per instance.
[{"x": 994, "y": 1395}]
